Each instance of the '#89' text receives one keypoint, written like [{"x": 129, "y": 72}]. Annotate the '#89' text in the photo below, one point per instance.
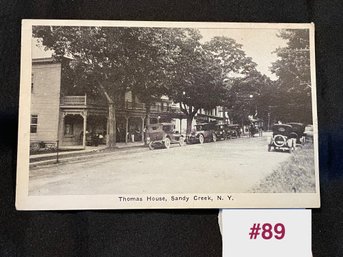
[{"x": 267, "y": 231}]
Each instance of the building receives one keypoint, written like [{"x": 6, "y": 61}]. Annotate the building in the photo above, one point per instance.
[
  {"x": 71, "y": 119},
  {"x": 58, "y": 115},
  {"x": 45, "y": 102}
]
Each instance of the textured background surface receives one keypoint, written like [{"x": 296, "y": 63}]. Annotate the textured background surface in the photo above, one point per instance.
[{"x": 167, "y": 232}]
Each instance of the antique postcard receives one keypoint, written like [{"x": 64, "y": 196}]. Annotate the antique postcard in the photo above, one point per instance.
[{"x": 132, "y": 115}]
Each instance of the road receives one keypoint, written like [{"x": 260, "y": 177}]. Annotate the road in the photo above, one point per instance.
[{"x": 232, "y": 166}]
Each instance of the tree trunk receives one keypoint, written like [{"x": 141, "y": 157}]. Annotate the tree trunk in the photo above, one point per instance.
[
  {"x": 112, "y": 131},
  {"x": 189, "y": 124},
  {"x": 111, "y": 120},
  {"x": 147, "y": 121}
]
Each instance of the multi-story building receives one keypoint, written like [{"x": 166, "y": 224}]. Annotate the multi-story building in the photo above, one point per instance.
[
  {"x": 45, "y": 101},
  {"x": 60, "y": 115}
]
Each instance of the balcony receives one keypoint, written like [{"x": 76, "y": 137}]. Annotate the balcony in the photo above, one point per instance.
[
  {"x": 132, "y": 106},
  {"x": 74, "y": 101},
  {"x": 169, "y": 109},
  {"x": 87, "y": 102}
]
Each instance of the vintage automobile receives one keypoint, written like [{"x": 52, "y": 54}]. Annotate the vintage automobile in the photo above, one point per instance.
[
  {"x": 203, "y": 132},
  {"x": 222, "y": 131},
  {"x": 234, "y": 131},
  {"x": 283, "y": 138},
  {"x": 298, "y": 130},
  {"x": 308, "y": 134},
  {"x": 162, "y": 135},
  {"x": 94, "y": 139}
]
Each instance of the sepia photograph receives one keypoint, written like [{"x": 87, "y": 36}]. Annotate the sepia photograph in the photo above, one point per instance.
[{"x": 132, "y": 115}]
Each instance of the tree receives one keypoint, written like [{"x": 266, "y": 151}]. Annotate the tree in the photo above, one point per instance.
[
  {"x": 238, "y": 72},
  {"x": 154, "y": 73},
  {"x": 230, "y": 56},
  {"x": 250, "y": 95},
  {"x": 202, "y": 72},
  {"x": 195, "y": 79},
  {"x": 109, "y": 61},
  {"x": 294, "y": 76}
]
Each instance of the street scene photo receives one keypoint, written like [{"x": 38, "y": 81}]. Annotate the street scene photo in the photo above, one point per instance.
[{"x": 179, "y": 112}]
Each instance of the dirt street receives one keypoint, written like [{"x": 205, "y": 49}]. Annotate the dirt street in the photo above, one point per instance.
[{"x": 227, "y": 166}]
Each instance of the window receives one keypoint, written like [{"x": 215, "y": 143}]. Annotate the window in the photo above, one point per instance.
[
  {"x": 34, "y": 124},
  {"x": 32, "y": 77}
]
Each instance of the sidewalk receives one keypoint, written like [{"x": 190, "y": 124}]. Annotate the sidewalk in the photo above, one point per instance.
[{"x": 50, "y": 158}]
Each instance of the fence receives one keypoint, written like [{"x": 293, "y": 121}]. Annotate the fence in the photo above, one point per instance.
[{"x": 40, "y": 147}]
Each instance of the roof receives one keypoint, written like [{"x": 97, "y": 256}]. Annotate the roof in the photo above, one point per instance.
[
  {"x": 282, "y": 125},
  {"x": 162, "y": 123},
  {"x": 43, "y": 60},
  {"x": 167, "y": 123}
]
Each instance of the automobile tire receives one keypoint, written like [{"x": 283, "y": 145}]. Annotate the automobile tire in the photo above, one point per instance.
[
  {"x": 182, "y": 141},
  {"x": 201, "y": 138},
  {"x": 214, "y": 137},
  {"x": 151, "y": 147},
  {"x": 166, "y": 143}
]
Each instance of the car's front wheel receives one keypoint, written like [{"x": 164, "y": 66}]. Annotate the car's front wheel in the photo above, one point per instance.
[
  {"x": 151, "y": 147},
  {"x": 214, "y": 137},
  {"x": 201, "y": 139},
  {"x": 181, "y": 141},
  {"x": 291, "y": 149},
  {"x": 166, "y": 143}
]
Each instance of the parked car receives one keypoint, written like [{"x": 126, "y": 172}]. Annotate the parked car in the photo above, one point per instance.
[
  {"x": 162, "y": 135},
  {"x": 234, "y": 130},
  {"x": 282, "y": 138},
  {"x": 203, "y": 132},
  {"x": 94, "y": 139},
  {"x": 298, "y": 130},
  {"x": 222, "y": 131},
  {"x": 253, "y": 129},
  {"x": 308, "y": 133}
]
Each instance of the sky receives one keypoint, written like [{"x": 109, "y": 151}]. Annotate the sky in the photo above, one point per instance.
[
  {"x": 256, "y": 43},
  {"x": 39, "y": 52}
]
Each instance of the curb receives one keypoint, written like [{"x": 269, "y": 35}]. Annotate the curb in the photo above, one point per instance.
[{"x": 87, "y": 155}]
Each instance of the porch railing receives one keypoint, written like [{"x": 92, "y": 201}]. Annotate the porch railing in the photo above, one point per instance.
[
  {"x": 134, "y": 106},
  {"x": 160, "y": 108},
  {"x": 74, "y": 100},
  {"x": 127, "y": 105}
]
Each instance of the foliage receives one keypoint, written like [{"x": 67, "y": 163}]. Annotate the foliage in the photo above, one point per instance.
[
  {"x": 202, "y": 72},
  {"x": 250, "y": 95},
  {"x": 294, "y": 77},
  {"x": 296, "y": 175},
  {"x": 109, "y": 61}
]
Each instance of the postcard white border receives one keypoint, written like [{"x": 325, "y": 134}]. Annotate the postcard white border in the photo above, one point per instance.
[{"x": 73, "y": 202}]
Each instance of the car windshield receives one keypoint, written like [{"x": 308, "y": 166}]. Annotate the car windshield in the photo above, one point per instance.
[
  {"x": 308, "y": 128},
  {"x": 199, "y": 127},
  {"x": 168, "y": 128}
]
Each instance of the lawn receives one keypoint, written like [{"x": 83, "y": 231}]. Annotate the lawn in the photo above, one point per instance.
[{"x": 296, "y": 175}]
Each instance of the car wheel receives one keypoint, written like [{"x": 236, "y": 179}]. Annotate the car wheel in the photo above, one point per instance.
[
  {"x": 201, "y": 138},
  {"x": 166, "y": 143},
  {"x": 214, "y": 137},
  {"x": 182, "y": 141},
  {"x": 151, "y": 147}
]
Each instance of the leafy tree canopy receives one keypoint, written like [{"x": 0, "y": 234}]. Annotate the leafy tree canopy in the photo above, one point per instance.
[{"x": 293, "y": 64}]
